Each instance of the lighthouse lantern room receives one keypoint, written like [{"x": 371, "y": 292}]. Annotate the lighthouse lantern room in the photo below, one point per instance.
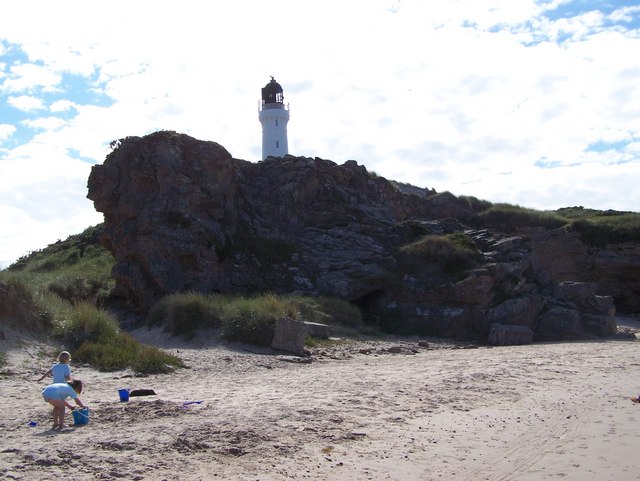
[{"x": 274, "y": 116}]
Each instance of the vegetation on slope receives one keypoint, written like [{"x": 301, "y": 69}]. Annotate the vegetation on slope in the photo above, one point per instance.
[
  {"x": 62, "y": 289},
  {"x": 455, "y": 252},
  {"x": 596, "y": 227},
  {"x": 599, "y": 228},
  {"x": 58, "y": 291},
  {"x": 76, "y": 269},
  {"x": 248, "y": 319}
]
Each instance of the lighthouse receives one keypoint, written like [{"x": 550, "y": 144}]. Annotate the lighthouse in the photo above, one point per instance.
[{"x": 274, "y": 116}]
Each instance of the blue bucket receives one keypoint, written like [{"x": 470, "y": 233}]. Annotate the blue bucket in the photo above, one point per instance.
[
  {"x": 80, "y": 416},
  {"x": 124, "y": 395}
]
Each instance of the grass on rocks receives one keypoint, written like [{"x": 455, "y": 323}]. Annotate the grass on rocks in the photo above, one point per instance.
[{"x": 248, "y": 319}]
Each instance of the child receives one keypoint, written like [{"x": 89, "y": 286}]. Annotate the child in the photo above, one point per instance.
[
  {"x": 61, "y": 372},
  {"x": 56, "y": 394}
]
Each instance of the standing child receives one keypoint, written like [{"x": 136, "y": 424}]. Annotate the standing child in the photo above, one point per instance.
[
  {"x": 56, "y": 394},
  {"x": 61, "y": 371}
]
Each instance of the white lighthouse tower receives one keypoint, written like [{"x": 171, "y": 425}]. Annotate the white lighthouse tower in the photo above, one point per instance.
[{"x": 273, "y": 115}]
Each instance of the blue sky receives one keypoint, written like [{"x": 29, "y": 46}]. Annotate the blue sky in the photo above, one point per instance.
[{"x": 529, "y": 102}]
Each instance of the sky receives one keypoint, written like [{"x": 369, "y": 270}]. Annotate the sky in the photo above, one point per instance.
[{"x": 528, "y": 102}]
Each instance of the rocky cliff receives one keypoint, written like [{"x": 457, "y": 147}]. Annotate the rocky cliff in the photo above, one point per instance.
[{"x": 182, "y": 214}]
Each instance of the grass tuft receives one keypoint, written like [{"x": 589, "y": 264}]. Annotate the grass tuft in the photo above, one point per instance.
[
  {"x": 122, "y": 351},
  {"x": 599, "y": 231},
  {"x": 252, "y": 319},
  {"x": 182, "y": 314},
  {"x": 58, "y": 289},
  {"x": 508, "y": 218},
  {"x": 95, "y": 337},
  {"x": 248, "y": 319},
  {"x": 455, "y": 252}
]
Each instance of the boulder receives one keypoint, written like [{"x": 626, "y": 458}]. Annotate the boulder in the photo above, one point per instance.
[
  {"x": 290, "y": 335},
  {"x": 520, "y": 311},
  {"x": 475, "y": 288},
  {"x": 599, "y": 325},
  {"x": 509, "y": 335},
  {"x": 597, "y": 313},
  {"x": 583, "y": 295},
  {"x": 559, "y": 323}
]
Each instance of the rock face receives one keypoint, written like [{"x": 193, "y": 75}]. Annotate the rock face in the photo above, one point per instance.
[{"x": 182, "y": 214}]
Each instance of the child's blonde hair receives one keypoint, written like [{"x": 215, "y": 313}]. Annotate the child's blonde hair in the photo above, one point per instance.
[{"x": 64, "y": 356}]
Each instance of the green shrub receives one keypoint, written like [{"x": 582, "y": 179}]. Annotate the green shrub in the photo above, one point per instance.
[
  {"x": 476, "y": 204},
  {"x": 245, "y": 319},
  {"x": 183, "y": 313},
  {"x": 508, "y": 218},
  {"x": 76, "y": 288},
  {"x": 122, "y": 351},
  {"x": 252, "y": 320},
  {"x": 328, "y": 310},
  {"x": 455, "y": 252},
  {"x": 77, "y": 268},
  {"x": 601, "y": 230},
  {"x": 150, "y": 360},
  {"x": 21, "y": 305},
  {"x": 94, "y": 336},
  {"x": 56, "y": 288},
  {"x": 249, "y": 319},
  {"x": 105, "y": 356},
  {"x": 250, "y": 327},
  {"x": 87, "y": 323}
]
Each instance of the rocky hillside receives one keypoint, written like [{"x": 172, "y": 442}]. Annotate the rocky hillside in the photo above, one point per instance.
[{"x": 182, "y": 214}]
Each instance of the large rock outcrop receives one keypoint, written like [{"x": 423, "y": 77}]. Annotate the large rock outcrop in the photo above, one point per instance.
[{"x": 182, "y": 214}]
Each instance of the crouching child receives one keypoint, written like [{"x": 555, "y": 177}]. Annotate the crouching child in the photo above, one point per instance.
[{"x": 56, "y": 394}]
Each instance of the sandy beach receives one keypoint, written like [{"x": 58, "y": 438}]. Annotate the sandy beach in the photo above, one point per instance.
[{"x": 393, "y": 409}]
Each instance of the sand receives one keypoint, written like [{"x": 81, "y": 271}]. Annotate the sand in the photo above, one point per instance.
[{"x": 366, "y": 410}]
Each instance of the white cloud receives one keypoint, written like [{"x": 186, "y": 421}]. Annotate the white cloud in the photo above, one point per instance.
[
  {"x": 62, "y": 106},
  {"x": 36, "y": 162},
  {"x": 42, "y": 199},
  {"x": 46, "y": 123},
  {"x": 624, "y": 14},
  {"x": 6, "y": 131},
  {"x": 29, "y": 233},
  {"x": 491, "y": 99},
  {"x": 26, "y": 103},
  {"x": 26, "y": 77}
]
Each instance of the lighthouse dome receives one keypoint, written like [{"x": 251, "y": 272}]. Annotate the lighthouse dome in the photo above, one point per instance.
[{"x": 272, "y": 93}]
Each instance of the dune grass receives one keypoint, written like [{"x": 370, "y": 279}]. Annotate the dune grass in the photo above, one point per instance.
[
  {"x": 57, "y": 291},
  {"x": 601, "y": 230},
  {"x": 183, "y": 313},
  {"x": 248, "y": 319},
  {"x": 76, "y": 269},
  {"x": 252, "y": 319},
  {"x": 455, "y": 252},
  {"x": 94, "y": 337},
  {"x": 509, "y": 218},
  {"x": 597, "y": 228}
]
